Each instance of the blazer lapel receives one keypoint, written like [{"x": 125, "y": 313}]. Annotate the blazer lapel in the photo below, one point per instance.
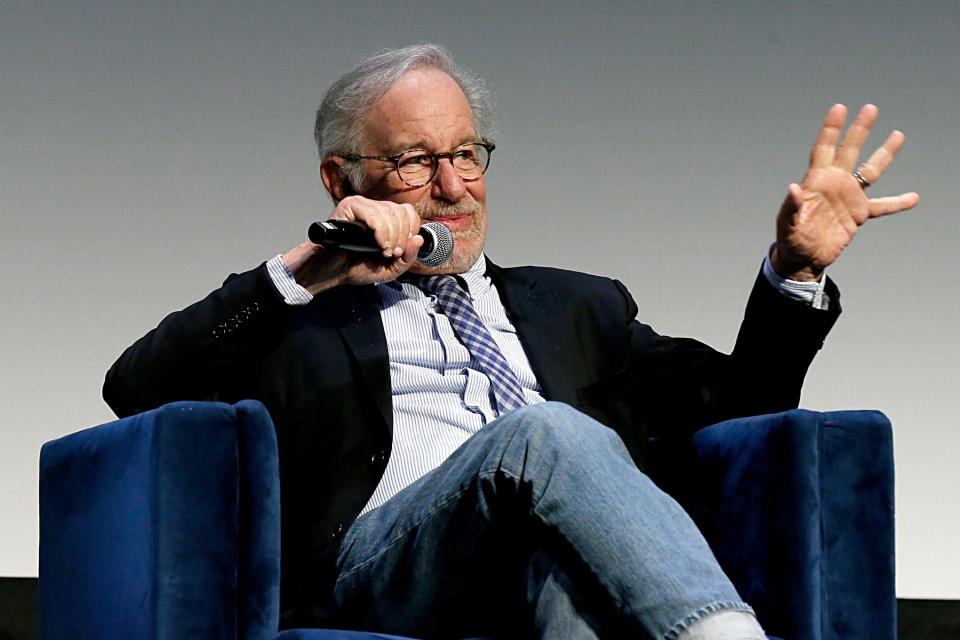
[
  {"x": 536, "y": 312},
  {"x": 355, "y": 311}
]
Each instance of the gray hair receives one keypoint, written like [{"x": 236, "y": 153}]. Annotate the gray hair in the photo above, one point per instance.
[{"x": 339, "y": 126}]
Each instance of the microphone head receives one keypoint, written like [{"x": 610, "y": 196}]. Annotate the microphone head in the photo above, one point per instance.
[{"x": 437, "y": 244}]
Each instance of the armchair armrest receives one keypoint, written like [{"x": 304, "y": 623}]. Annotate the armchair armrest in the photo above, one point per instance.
[
  {"x": 798, "y": 508},
  {"x": 162, "y": 526}
]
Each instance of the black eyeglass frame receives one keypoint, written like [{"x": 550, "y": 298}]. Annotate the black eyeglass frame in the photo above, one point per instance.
[{"x": 437, "y": 157}]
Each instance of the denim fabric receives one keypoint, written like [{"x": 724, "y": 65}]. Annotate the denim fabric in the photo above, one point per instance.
[{"x": 540, "y": 525}]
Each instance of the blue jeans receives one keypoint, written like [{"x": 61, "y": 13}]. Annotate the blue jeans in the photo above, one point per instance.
[{"x": 538, "y": 526}]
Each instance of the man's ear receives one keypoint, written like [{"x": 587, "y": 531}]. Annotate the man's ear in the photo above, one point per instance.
[{"x": 331, "y": 173}]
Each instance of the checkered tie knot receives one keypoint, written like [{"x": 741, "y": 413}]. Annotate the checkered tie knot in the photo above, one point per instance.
[{"x": 456, "y": 305}]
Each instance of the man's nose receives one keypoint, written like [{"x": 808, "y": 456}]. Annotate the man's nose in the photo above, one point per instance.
[{"x": 447, "y": 184}]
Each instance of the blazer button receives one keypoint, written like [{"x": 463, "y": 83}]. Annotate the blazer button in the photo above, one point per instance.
[{"x": 338, "y": 532}]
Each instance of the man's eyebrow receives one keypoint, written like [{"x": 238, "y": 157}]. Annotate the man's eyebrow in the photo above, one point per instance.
[
  {"x": 404, "y": 146},
  {"x": 423, "y": 144}
]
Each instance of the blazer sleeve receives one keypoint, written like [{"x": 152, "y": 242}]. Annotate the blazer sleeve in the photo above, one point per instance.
[
  {"x": 685, "y": 385},
  {"x": 195, "y": 353}
]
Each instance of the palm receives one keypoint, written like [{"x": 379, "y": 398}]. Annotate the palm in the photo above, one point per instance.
[
  {"x": 821, "y": 215},
  {"x": 832, "y": 209}
]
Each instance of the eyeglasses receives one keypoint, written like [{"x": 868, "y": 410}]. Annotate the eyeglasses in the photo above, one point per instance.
[{"x": 416, "y": 167}]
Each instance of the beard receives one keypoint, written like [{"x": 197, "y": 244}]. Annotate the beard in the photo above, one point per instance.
[{"x": 467, "y": 243}]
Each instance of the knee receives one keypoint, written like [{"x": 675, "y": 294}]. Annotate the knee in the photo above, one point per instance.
[
  {"x": 548, "y": 412},
  {"x": 558, "y": 426}
]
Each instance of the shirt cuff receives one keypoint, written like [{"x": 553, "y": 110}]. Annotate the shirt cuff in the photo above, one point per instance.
[
  {"x": 811, "y": 293},
  {"x": 293, "y": 294}
]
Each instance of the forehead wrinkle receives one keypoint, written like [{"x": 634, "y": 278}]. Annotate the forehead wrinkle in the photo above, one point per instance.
[
  {"x": 425, "y": 109},
  {"x": 425, "y": 132},
  {"x": 425, "y": 144}
]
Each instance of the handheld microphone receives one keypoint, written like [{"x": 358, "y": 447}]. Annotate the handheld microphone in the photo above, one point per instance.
[{"x": 350, "y": 236}]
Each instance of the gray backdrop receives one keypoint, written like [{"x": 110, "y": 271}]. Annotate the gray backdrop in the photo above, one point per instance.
[{"x": 149, "y": 149}]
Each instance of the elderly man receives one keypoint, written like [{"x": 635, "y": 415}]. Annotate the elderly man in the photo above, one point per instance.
[{"x": 461, "y": 445}]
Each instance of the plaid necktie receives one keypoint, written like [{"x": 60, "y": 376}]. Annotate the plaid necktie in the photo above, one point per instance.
[{"x": 470, "y": 329}]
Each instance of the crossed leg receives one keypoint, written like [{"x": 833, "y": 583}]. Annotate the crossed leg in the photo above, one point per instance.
[{"x": 539, "y": 526}]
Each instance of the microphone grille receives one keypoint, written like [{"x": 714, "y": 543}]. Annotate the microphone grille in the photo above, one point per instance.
[{"x": 442, "y": 243}]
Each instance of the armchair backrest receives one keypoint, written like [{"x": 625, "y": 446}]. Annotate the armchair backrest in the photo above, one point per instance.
[
  {"x": 202, "y": 484},
  {"x": 798, "y": 508}
]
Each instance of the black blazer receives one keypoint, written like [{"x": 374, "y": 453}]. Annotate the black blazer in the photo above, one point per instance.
[{"x": 322, "y": 371}]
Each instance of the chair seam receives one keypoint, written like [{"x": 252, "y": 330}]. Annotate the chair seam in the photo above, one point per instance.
[
  {"x": 824, "y": 552},
  {"x": 238, "y": 533},
  {"x": 156, "y": 435}
]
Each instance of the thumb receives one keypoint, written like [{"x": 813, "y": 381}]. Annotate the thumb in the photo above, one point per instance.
[
  {"x": 793, "y": 200},
  {"x": 410, "y": 251}
]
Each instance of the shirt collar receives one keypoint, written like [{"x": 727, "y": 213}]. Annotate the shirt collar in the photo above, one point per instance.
[
  {"x": 478, "y": 282},
  {"x": 476, "y": 278}
]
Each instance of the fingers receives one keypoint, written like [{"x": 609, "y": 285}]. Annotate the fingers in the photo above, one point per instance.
[
  {"x": 392, "y": 224},
  {"x": 827, "y": 154},
  {"x": 893, "y": 204},
  {"x": 849, "y": 152},
  {"x": 874, "y": 167},
  {"x": 407, "y": 224},
  {"x": 824, "y": 149}
]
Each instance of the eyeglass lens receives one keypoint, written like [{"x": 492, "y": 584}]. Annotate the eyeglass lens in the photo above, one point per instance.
[{"x": 417, "y": 167}]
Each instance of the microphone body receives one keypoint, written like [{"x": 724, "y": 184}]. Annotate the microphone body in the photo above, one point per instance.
[{"x": 350, "y": 236}]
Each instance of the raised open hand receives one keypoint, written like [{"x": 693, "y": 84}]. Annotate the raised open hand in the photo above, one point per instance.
[{"x": 820, "y": 216}]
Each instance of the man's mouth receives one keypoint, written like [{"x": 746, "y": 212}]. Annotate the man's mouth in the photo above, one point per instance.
[
  {"x": 453, "y": 217},
  {"x": 453, "y": 222}
]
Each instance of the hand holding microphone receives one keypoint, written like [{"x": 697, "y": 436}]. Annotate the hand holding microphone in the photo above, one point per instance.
[
  {"x": 366, "y": 241},
  {"x": 350, "y": 236}
]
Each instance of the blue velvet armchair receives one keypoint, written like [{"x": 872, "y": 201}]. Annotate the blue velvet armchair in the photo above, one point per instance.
[{"x": 166, "y": 526}]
